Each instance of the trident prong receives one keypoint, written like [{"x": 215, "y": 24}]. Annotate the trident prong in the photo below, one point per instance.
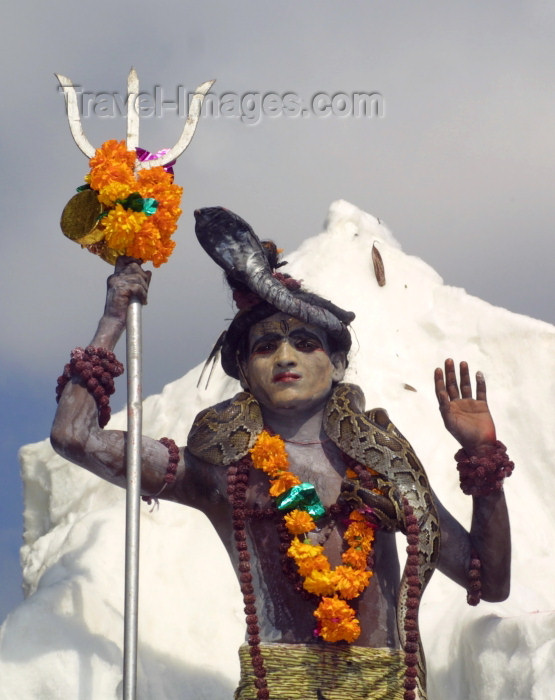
[
  {"x": 74, "y": 119},
  {"x": 132, "y": 113},
  {"x": 188, "y": 130},
  {"x": 73, "y": 116}
]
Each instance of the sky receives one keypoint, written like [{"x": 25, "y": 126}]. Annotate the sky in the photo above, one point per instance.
[{"x": 456, "y": 157}]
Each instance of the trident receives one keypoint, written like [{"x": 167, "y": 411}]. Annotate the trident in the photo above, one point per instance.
[{"x": 133, "y": 338}]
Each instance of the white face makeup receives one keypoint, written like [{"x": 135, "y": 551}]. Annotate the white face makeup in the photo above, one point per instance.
[{"x": 289, "y": 366}]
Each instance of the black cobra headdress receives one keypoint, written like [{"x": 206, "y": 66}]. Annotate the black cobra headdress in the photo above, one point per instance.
[{"x": 259, "y": 290}]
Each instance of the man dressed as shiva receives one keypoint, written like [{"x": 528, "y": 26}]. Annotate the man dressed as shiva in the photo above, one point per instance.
[{"x": 304, "y": 487}]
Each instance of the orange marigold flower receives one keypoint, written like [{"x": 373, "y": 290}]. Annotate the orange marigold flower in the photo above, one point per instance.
[
  {"x": 337, "y": 621},
  {"x": 163, "y": 253},
  {"x": 112, "y": 151},
  {"x": 269, "y": 453},
  {"x": 355, "y": 558},
  {"x": 362, "y": 545},
  {"x": 298, "y": 522},
  {"x": 283, "y": 483},
  {"x": 155, "y": 177},
  {"x": 148, "y": 245},
  {"x": 344, "y": 631},
  {"x": 116, "y": 172},
  {"x": 356, "y": 515},
  {"x": 317, "y": 563},
  {"x": 157, "y": 183},
  {"x": 165, "y": 221},
  {"x": 355, "y": 529},
  {"x": 359, "y": 534},
  {"x": 348, "y": 582}
]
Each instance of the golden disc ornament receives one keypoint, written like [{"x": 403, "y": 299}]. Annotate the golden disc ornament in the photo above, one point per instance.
[
  {"x": 80, "y": 215},
  {"x": 79, "y": 223}
]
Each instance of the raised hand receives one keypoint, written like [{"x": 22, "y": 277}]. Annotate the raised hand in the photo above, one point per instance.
[
  {"x": 468, "y": 419},
  {"x": 129, "y": 281}
]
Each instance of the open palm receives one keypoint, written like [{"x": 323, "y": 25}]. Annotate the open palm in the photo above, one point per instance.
[{"x": 468, "y": 419}]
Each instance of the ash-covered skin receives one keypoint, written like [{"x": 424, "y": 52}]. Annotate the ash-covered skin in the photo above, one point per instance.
[{"x": 233, "y": 245}]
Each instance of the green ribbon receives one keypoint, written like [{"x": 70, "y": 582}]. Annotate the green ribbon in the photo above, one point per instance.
[
  {"x": 150, "y": 205},
  {"x": 303, "y": 497},
  {"x": 136, "y": 203}
]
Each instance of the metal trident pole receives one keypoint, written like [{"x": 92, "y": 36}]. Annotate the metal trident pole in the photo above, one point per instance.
[
  {"x": 133, "y": 452},
  {"x": 134, "y": 379},
  {"x": 132, "y": 520}
]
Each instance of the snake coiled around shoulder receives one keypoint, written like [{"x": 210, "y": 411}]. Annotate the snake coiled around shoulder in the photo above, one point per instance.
[{"x": 224, "y": 433}]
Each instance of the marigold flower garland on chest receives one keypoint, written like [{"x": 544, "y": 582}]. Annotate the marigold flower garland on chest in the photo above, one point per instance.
[
  {"x": 134, "y": 210},
  {"x": 336, "y": 618}
]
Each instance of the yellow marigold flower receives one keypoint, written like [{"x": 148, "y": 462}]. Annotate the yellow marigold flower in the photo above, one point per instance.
[
  {"x": 112, "y": 191},
  {"x": 348, "y": 582},
  {"x": 283, "y": 483},
  {"x": 319, "y": 582},
  {"x": 337, "y": 621},
  {"x": 303, "y": 550},
  {"x": 120, "y": 226},
  {"x": 298, "y": 522}
]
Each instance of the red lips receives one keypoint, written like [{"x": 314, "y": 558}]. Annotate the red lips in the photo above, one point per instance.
[{"x": 286, "y": 377}]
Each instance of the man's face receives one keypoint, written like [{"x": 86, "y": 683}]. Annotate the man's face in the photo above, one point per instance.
[{"x": 289, "y": 366}]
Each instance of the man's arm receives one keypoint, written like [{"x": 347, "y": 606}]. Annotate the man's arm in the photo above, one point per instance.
[
  {"x": 76, "y": 434},
  {"x": 470, "y": 422}
]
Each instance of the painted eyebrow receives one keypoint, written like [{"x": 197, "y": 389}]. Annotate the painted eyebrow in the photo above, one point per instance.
[
  {"x": 298, "y": 332},
  {"x": 265, "y": 338},
  {"x": 305, "y": 334}
]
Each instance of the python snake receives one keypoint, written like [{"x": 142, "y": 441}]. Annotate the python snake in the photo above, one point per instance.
[{"x": 224, "y": 433}]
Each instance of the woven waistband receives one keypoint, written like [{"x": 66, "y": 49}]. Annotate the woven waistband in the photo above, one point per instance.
[{"x": 318, "y": 672}]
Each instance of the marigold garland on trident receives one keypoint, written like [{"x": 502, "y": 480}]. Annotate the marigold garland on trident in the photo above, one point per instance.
[
  {"x": 336, "y": 618},
  {"x": 124, "y": 210}
]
